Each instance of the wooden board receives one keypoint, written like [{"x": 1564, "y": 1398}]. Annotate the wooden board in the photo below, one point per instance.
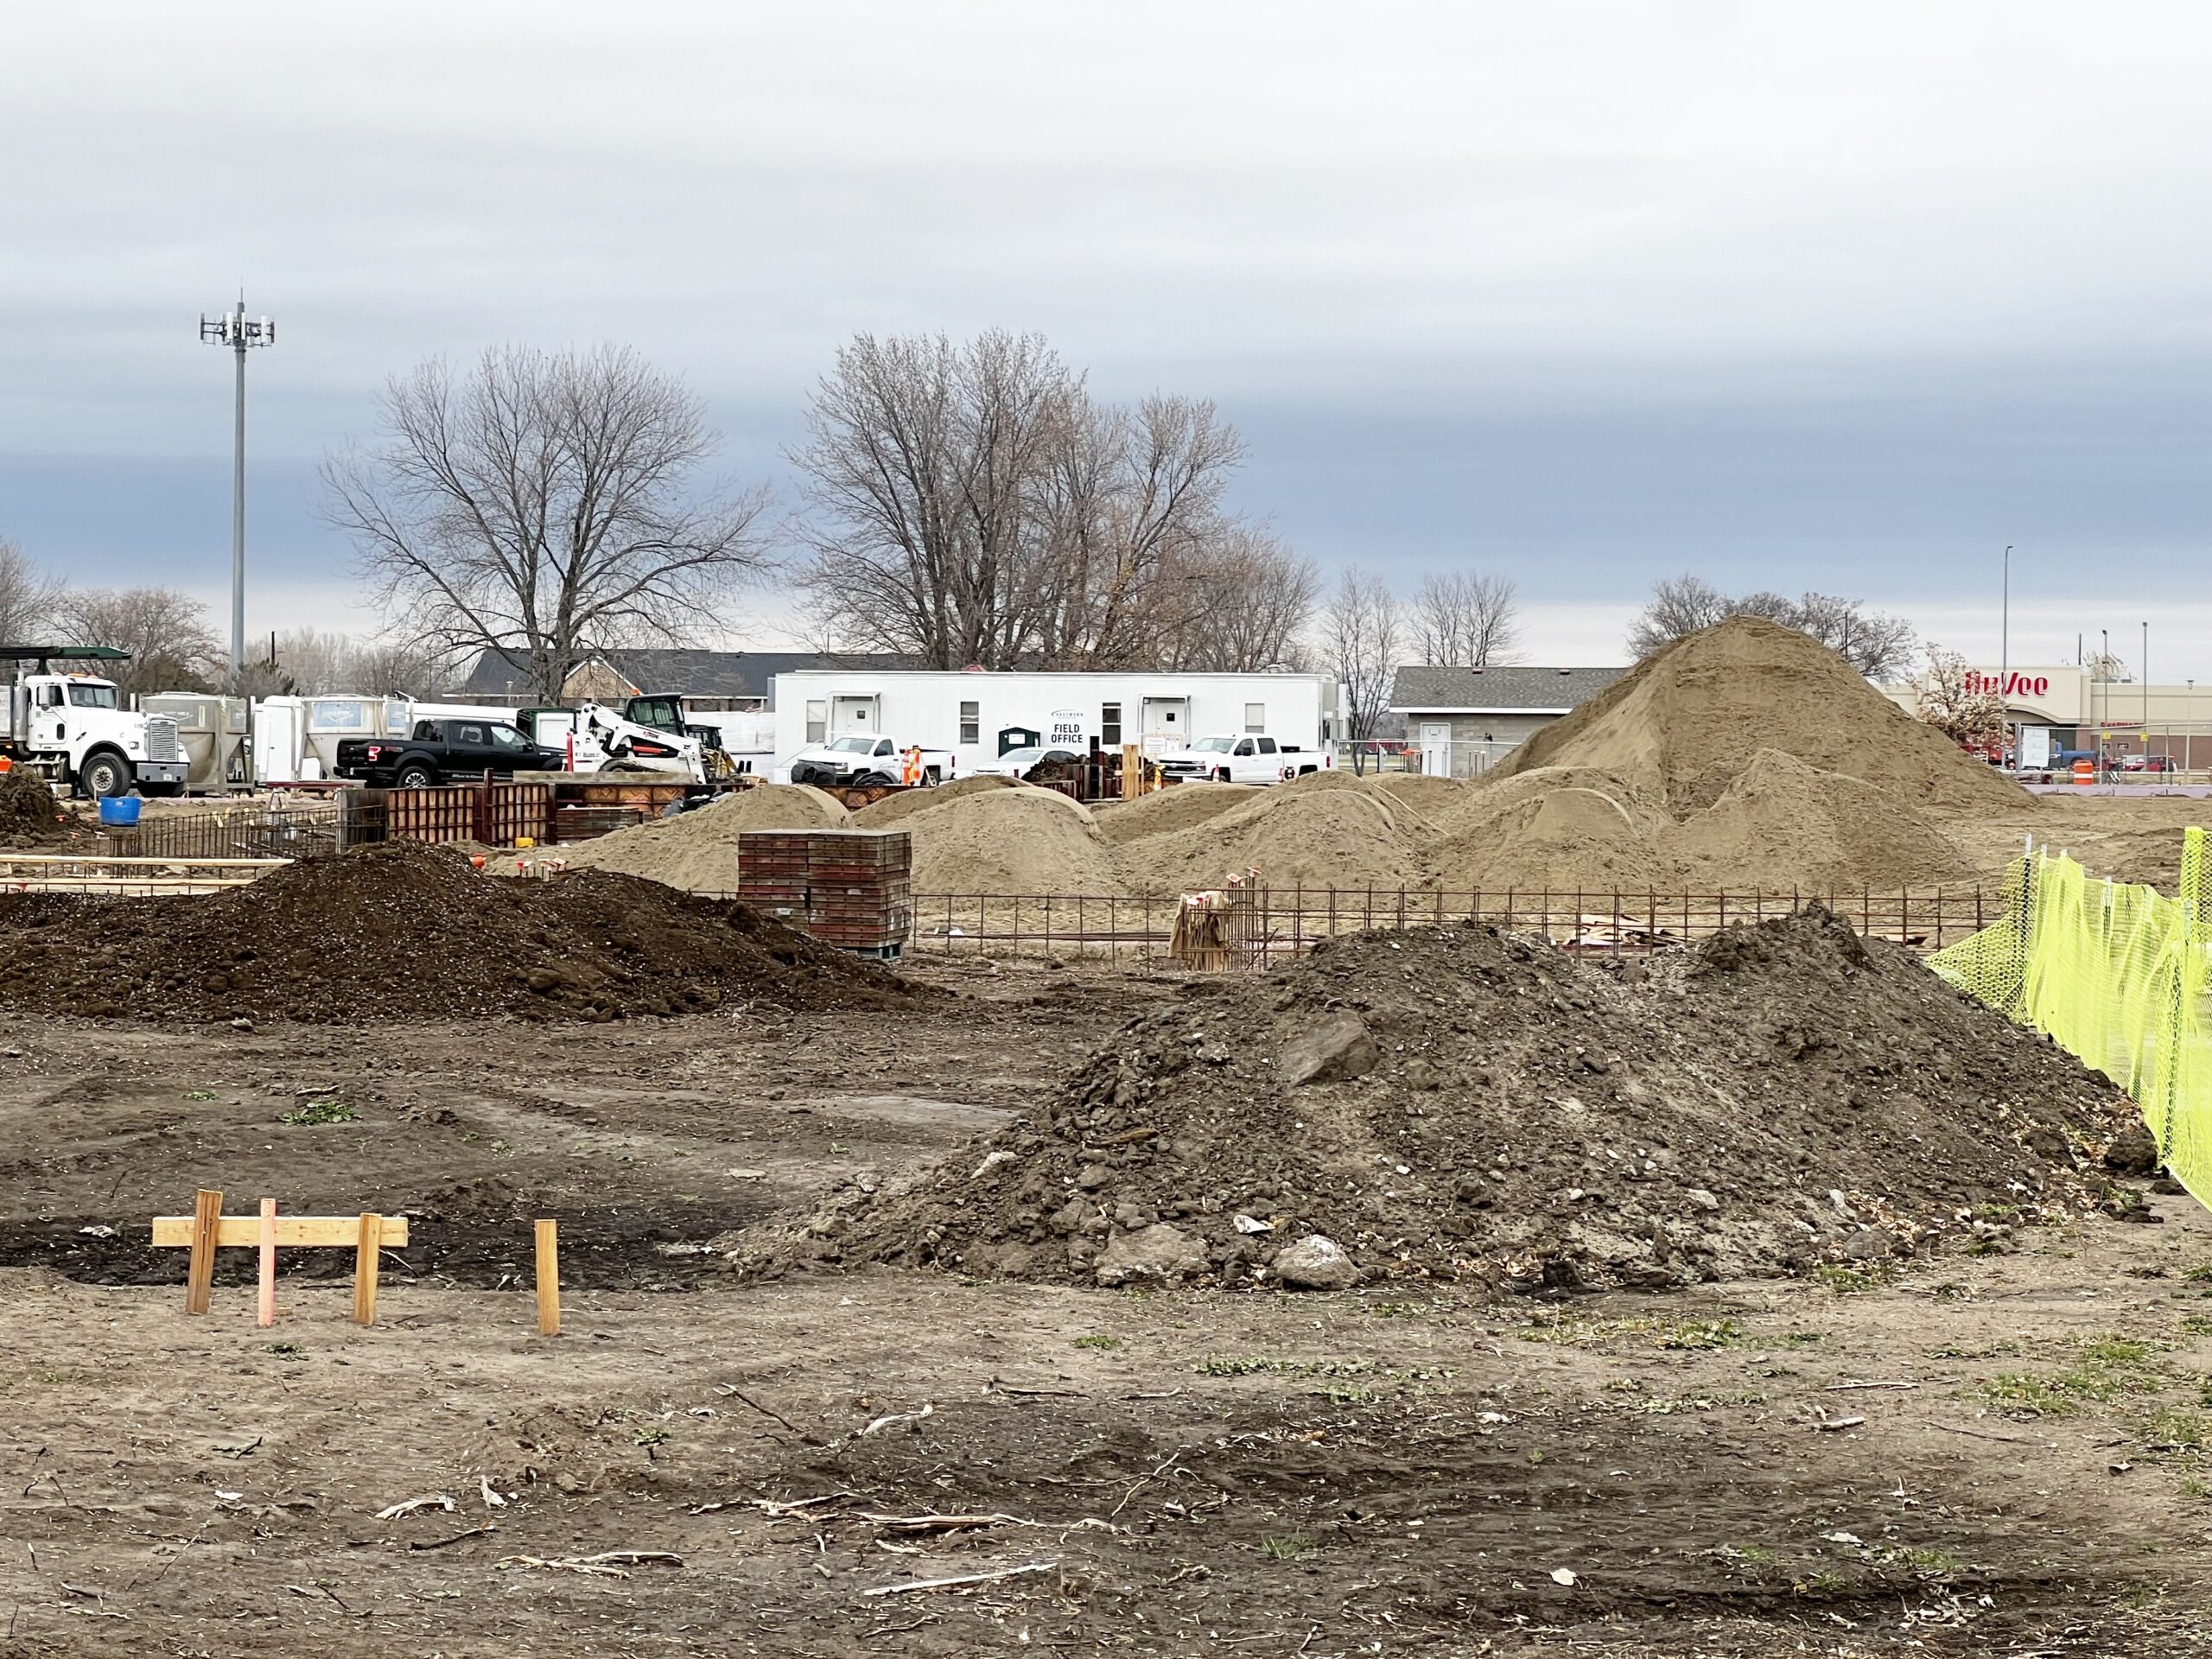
[{"x": 293, "y": 1232}]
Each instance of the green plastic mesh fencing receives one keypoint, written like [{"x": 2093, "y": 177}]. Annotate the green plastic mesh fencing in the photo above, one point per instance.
[{"x": 2116, "y": 975}]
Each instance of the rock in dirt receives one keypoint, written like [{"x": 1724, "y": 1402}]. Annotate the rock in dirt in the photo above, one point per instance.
[
  {"x": 1160, "y": 1252},
  {"x": 1315, "y": 1264},
  {"x": 1744, "y": 1082},
  {"x": 1335, "y": 1049},
  {"x": 407, "y": 931},
  {"x": 2133, "y": 1152}
]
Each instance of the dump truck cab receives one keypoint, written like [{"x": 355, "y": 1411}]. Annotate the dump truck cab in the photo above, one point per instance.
[{"x": 70, "y": 724}]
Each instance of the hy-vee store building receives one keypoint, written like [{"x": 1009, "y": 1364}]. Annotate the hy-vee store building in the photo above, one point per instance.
[{"x": 979, "y": 714}]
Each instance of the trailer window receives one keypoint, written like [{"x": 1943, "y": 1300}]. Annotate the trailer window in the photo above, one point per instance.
[
  {"x": 971, "y": 722},
  {"x": 1255, "y": 716},
  {"x": 817, "y": 722},
  {"x": 1109, "y": 725},
  {"x": 92, "y": 697}
]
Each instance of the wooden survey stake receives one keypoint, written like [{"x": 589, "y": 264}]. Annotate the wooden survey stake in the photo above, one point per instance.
[
  {"x": 208, "y": 1229},
  {"x": 549, "y": 1278}
]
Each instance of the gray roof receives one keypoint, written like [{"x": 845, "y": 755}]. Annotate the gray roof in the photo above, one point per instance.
[
  {"x": 679, "y": 673},
  {"x": 1496, "y": 690}
]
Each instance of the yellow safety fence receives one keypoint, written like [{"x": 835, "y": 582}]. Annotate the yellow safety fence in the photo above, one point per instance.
[{"x": 2116, "y": 975}]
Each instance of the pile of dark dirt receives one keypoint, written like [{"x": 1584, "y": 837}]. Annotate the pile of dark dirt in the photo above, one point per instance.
[
  {"x": 406, "y": 931},
  {"x": 1461, "y": 1104},
  {"x": 29, "y": 816}
]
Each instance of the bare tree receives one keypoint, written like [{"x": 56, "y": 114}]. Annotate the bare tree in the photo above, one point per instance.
[
  {"x": 972, "y": 503},
  {"x": 1974, "y": 718},
  {"x": 1878, "y": 645},
  {"x": 1254, "y": 598},
  {"x": 546, "y": 505},
  {"x": 306, "y": 663},
  {"x": 1362, "y": 639},
  {"x": 169, "y": 634},
  {"x": 30, "y": 598},
  {"x": 1463, "y": 619}
]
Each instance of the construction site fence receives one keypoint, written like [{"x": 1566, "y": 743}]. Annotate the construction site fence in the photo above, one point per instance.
[
  {"x": 2116, "y": 975},
  {"x": 1279, "y": 923},
  {"x": 490, "y": 814}
]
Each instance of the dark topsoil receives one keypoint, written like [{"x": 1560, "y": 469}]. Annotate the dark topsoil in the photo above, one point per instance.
[
  {"x": 30, "y": 816},
  {"x": 1786, "y": 1095},
  {"x": 407, "y": 931}
]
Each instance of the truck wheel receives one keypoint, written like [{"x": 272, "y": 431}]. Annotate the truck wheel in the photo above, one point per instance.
[
  {"x": 1221, "y": 775},
  {"x": 105, "y": 773},
  {"x": 872, "y": 780},
  {"x": 416, "y": 775}
]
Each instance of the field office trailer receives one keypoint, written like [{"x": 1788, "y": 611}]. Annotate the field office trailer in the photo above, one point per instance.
[{"x": 968, "y": 711}]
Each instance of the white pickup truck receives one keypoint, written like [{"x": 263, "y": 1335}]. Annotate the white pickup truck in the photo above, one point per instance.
[
  {"x": 859, "y": 760},
  {"x": 1243, "y": 758}
]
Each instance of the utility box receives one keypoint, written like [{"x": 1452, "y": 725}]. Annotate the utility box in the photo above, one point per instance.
[{"x": 852, "y": 888}]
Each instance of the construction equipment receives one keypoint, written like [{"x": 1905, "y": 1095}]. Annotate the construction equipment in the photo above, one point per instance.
[{"x": 73, "y": 728}]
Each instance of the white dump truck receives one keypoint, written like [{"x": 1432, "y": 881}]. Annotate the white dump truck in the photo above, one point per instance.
[{"x": 70, "y": 724}]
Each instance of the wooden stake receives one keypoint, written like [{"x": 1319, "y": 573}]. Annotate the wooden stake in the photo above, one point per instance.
[
  {"x": 549, "y": 1278},
  {"x": 267, "y": 1315},
  {"x": 365, "y": 1269},
  {"x": 199, "y": 1283}
]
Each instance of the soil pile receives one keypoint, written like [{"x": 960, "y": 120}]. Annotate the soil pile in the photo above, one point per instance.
[
  {"x": 1785, "y": 825},
  {"x": 29, "y": 816},
  {"x": 1164, "y": 810},
  {"x": 1555, "y": 829},
  {"x": 695, "y": 850},
  {"x": 1301, "y": 834},
  {"x": 1016, "y": 840},
  {"x": 1687, "y": 721},
  {"x": 1479, "y": 1106},
  {"x": 406, "y": 931},
  {"x": 894, "y": 810}
]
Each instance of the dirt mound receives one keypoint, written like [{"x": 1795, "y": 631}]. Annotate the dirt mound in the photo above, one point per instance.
[
  {"x": 1480, "y": 1107},
  {"x": 1433, "y": 797},
  {"x": 1784, "y": 826},
  {"x": 406, "y": 931},
  {"x": 1686, "y": 722},
  {"x": 696, "y": 850},
  {"x": 1017, "y": 840},
  {"x": 1555, "y": 830},
  {"x": 1163, "y": 811},
  {"x": 29, "y": 816},
  {"x": 1295, "y": 834},
  {"x": 894, "y": 810}
]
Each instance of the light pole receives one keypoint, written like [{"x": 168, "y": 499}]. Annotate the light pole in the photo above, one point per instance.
[
  {"x": 2004, "y": 661},
  {"x": 2146, "y": 694},
  {"x": 2189, "y": 729},
  {"x": 234, "y": 329}
]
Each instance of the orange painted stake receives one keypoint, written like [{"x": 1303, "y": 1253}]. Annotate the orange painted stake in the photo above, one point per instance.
[
  {"x": 267, "y": 1315},
  {"x": 549, "y": 1278},
  {"x": 365, "y": 1269},
  {"x": 200, "y": 1283}
]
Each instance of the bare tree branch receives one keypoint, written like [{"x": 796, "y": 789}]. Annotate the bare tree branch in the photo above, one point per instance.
[
  {"x": 1878, "y": 645},
  {"x": 169, "y": 634},
  {"x": 1361, "y": 641}
]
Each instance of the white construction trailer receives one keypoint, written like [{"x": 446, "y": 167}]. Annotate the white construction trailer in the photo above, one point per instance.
[{"x": 978, "y": 714}]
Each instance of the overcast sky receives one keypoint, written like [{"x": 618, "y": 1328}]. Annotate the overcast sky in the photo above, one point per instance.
[{"x": 1846, "y": 296}]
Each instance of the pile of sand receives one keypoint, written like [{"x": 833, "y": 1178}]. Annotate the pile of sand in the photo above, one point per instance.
[
  {"x": 1014, "y": 840},
  {"x": 1783, "y": 825},
  {"x": 894, "y": 810},
  {"x": 1454, "y": 1104},
  {"x": 1556, "y": 830},
  {"x": 1687, "y": 721},
  {"x": 696, "y": 850},
  {"x": 404, "y": 931},
  {"x": 1295, "y": 834},
  {"x": 1176, "y": 807}
]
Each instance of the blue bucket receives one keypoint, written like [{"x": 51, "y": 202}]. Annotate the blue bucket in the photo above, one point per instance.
[{"x": 119, "y": 811}]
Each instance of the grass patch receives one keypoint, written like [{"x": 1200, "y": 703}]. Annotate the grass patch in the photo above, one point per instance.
[
  {"x": 1258, "y": 1364},
  {"x": 1803, "y": 1338},
  {"x": 313, "y": 1112},
  {"x": 2110, "y": 1368},
  {"x": 1851, "y": 1282},
  {"x": 1100, "y": 1343},
  {"x": 202, "y": 1094},
  {"x": 1290, "y": 1546},
  {"x": 1704, "y": 1333}
]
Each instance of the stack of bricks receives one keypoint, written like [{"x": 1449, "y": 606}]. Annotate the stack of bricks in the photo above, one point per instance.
[{"x": 848, "y": 887}]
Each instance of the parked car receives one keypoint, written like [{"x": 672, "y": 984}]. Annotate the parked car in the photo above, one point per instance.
[
  {"x": 2147, "y": 763},
  {"x": 1019, "y": 763},
  {"x": 1243, "y": 758},
  {"x": 860, "y": 761},
  {"x": 439, "y": 751}
]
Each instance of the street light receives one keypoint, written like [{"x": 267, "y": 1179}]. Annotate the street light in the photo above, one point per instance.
[
  {"x": 2004, "y": 660},
  {"x": 235, "y": 329}
]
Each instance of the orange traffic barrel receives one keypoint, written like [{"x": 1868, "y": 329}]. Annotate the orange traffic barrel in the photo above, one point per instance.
[{"x": 2085, "y": 772}]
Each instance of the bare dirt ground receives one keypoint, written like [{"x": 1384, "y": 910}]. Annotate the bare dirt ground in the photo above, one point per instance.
[{"x": 2001, "y": 1454}]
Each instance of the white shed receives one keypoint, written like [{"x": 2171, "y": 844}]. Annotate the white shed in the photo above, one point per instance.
[{"x": 967, "y": 710}]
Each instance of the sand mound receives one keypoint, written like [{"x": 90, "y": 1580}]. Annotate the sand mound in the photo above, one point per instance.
[
  {"x": 1294, "y": 834},
  {"x": 1556, "y": 830},
  {"x": 894, "y": 810},
  {"x": 411, "y": 933},
  {"x": 1685, "y": 723},
  {"x": 1017, "y": 840},
  {"x": 1783, "y": 826},
  {"x": 1433, "y": 797},
  {"x": 1176, "y": 807},
  {"x": 697, "y": 850},
  {"x": 1497, "y": 1112}
]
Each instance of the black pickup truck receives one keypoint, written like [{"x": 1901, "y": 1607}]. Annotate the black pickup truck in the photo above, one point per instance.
[{"x": 439, "y": 751}]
